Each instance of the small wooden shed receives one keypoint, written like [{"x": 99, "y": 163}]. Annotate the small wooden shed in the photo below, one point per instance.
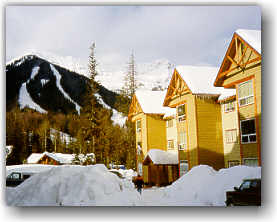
[{"x": 160, "y": 168}]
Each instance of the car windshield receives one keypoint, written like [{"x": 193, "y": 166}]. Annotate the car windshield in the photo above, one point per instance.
[{"x": 245, "y": 185}]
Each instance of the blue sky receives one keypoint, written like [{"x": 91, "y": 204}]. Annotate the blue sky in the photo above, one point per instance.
[{"x": 185, "y": 35}]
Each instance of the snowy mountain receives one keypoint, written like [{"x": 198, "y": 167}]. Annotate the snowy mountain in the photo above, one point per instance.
[
  {"x": 150, "y": 76},
  {"x": 43, "y": 85}
]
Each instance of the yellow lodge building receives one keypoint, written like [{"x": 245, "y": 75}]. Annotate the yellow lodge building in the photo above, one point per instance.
[
  {"x": 207, "y": 115},
  {"x": 241, "y": 70}
]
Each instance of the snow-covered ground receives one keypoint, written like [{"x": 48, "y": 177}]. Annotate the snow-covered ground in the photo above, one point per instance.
[{"x": 96, "y": 186}]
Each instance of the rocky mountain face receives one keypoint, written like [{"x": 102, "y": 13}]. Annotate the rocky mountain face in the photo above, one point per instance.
[{"x": 45, "y": 86}]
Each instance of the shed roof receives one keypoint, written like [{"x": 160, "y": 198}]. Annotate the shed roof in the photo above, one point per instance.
[{"x": 158, "y": 156}]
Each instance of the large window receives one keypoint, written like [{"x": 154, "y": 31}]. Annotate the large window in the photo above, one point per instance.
[
  {"x": 250, "y": 162},
  {"x": 184, "y": 167},
  {"x": 169, "y": 123},
  {"x": 229, "y": 106},
  {"x": 138, "y": 125},
  {"x": 170, "y": 144},
  {"x": 248, "y": 131},
  {"x": 246, "y": 93},
  {"x": 182, "y": 140},
  {"x": 231, "y": 136},
  {"x": 181, "y": 112}
]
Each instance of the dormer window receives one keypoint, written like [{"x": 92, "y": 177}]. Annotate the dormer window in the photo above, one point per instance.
[{"x": 181, "y": 112}]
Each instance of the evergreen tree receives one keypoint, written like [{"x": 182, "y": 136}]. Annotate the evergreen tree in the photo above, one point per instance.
[{"x": 130, "y": 81}]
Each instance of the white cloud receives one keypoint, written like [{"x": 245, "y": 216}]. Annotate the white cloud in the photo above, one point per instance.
[{"x": 182, "y": 34}]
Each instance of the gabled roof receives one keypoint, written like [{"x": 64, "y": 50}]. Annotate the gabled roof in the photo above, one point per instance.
[
  {"x": 198, "y": 80},
  {"x": 150, "y": 102},
  {"x": 162, "y": 157},
  {"x": 252, "y": 40},
  {"x": 59, "y": 157}
]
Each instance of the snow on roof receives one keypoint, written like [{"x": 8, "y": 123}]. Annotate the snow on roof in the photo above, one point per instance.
[
  {"x": 200, "y": 79},
  {"x": 226, "y": 94},
  {"x": 252, "y": 37},
  {"x": 171, "y": 112},
  {"x": 152, "y": 102},
  {"x": 162, "y": 157},
  {"x": 34, "y": 157},
  {"x": 59, "y": 157}
]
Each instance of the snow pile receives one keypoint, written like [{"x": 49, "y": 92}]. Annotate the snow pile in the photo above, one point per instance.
[
  {"x": 203, "y": 186},
  {"x": 128, "y": 174},
  {"x": 28, "y": 168},
  {"x": 73, "y": 186},
  {"x": 252, "y": 37},
  {"x": 162, "y": 157},
  {"x": 152, "y": 102}
]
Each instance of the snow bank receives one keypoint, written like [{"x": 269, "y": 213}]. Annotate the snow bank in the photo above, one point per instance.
[
  {"x": 28, "y": 168},
  {"x": 204, "y": 186},
  {"x": 74, "y": 186}
]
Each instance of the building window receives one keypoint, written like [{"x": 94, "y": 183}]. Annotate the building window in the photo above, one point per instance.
[
  {"x": 231, "y": 136},
  {"x": 169, "y": 123},
  {"x": 253, "y": 162},
  {"x": 182, "y": 140},
  {"x": 246, "y": 93},
  {"x": 229, "y": 106},
  {"x": 232, "y": 163},
  {"x": 181, "y": 112},
  {"x": 138, "y": 125},
  {"x": 184, "y": 167},
  {"x": 170, "y": 144},
  {"x": 248, "y": 131}
]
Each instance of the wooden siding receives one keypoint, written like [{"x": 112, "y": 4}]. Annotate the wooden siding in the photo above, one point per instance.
[
  {"x": 156, "y": 132},
  {"x": 171, "y": 134},
  {"x": 210, "y": 133},
  {"x": 190, "y": 126},
  {"x": 230, "y": 122}
]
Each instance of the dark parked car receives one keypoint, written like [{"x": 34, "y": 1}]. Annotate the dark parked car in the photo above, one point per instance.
[
  {"x": 248, "y": 194},
  {"x": 16, "y": 178}
]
